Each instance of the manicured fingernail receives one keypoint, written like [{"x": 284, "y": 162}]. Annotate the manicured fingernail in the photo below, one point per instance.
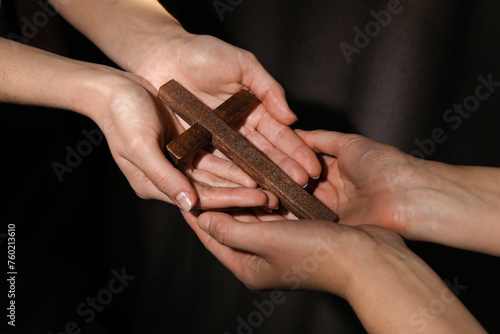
[
  {"x": 183, "y": 202},
  {"x": 305, "y": 186},
  {"x": 315, "y": 178}
]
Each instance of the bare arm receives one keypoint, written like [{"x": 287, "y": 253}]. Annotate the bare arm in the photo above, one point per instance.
[
  {"x": 32, "y": 76},
  {"x": 125, "y": 30},
  {"x": 390, "y": 288}
]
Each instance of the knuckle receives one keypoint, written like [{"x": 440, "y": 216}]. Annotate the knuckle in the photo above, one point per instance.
[
  {"x": 282, "y": 134},
  {"x": 135, "y": 144},
  {"x": 250, "y": 55},
  {"x": 251, "y": 280},
  {"x": 141, "y": 192},
  {"x": 139, "y": 187},
  {"x": 353, "y": 140},
  {"x": 142, "y": 195},
  {"x": 253, "y": 286},
  {"x": 255, "y": 273},
  {"x": 161, "y": 182}
]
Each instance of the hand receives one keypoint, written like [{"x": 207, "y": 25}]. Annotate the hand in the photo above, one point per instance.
[
  {"x": 264, "y": 250},
  {"x": 137, "y": 127},
  {"x": 364, "y": 181},
  {"x": 386, "y": 284},
  {"x": 367, "y": 182},
  {"x": 213, "y": 70}
]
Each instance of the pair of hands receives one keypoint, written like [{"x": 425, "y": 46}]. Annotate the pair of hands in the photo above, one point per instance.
[{"x": 357, "y": 182}]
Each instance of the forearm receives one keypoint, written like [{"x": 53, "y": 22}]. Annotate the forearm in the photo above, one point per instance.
[
  {"x": 124, "y": 30},
  {"x": 401, "y": 294},
  {"x": 35, "y": 77},
  {"x": 457, "y": 206}
]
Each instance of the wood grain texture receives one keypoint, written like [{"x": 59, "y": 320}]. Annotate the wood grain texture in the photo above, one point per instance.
[
  {"x": 267, "y": 174},
  {"x": 196, "y": 137}
]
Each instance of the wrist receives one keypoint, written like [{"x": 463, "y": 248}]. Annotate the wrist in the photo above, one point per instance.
[
  {"x": 456, "y": 206},
  {"x": 102, "y": 93},
  {"x": 392, "y": 288},
  {"x": 126, "y": 31},
  {"x": 146, "y": 40},
  {"x": 370, "y": 256},
  {"x": 368, "y": 266},
  {"x": 156, "y": 56},
  {"x": 88, "y": 89}
]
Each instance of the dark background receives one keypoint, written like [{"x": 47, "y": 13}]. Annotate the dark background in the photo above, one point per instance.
[{"x": 70, "y": 235}]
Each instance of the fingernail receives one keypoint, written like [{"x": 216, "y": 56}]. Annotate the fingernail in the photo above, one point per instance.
[
  {"x": 305, "y": 186},
  {"x": 315, "y": 178},
  {"x": 183, "y": 202}
]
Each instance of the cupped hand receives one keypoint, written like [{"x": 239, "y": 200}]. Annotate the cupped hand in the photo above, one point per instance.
[
  {"x": 367, "y": 182},
  {"x": 364, "y": 181},
  {"x": 137, "y": 127},
  {"x": 264, "y": 250},
  {"x": 214, "y": 70}
]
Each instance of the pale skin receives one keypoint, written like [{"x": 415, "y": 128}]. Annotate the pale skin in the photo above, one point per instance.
[
  {"x": 373, "y": 183},
  {"x": 152, "y": 48},
  {"x": 378, "y": 192}
]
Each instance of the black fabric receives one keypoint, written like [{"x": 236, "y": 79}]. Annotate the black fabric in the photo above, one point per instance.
[
  {"x": 71, "y": 235},
  {"x": 396, "y": 90}
]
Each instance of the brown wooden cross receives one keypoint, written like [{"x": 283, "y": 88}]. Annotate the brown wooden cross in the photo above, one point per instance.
[{"x": 209, "y": 126}]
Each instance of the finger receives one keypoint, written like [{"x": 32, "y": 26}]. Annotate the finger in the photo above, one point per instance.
[
  {"x": 286, "y": 214},
  {"x": 267, "y": 90},
  {"x": 247, "y": 216},
  {"x": 285, "y": 140},
  {"x": 291, "y": 167},
  {"x": 211, "y": 198},
  {"x": 222, "y": 168},
  {"x": 210, "y": 243},
  {"x": 232, "y": 233},
  {"x": 263, "y": 215},
  {"x": 273, "y": 200},
  {"x": 322, "y": 141},
  {"x": 202, "y": 176}
]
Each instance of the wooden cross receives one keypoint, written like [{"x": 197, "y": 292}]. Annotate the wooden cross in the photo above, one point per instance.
[{"x": 209, "y": 126}]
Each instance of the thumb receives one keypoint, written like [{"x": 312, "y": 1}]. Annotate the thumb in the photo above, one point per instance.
[
  {"x": 233, "y": 233},
  {"x": 322, "y": 141},
  {"x": 167, "y": 179}
]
